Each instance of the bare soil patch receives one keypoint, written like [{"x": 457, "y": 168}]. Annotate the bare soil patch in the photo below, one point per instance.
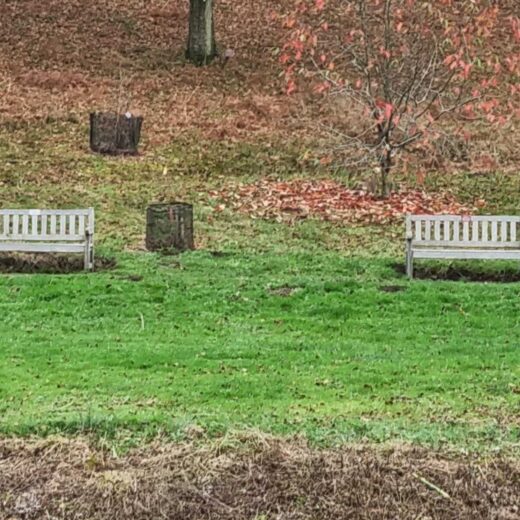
[
  {"x": 267, "y": 479},
  {"x": 44, "y": 263},
  {"x": 493, "y": 273}
]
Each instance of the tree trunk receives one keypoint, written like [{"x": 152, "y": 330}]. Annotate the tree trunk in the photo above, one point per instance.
[
  {"x": 201, "y": 39},
  {"x": 385, "y": 167}
]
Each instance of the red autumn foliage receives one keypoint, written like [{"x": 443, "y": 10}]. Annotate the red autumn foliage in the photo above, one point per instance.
[
  {"x": 415, "y": 70},
  {"x": 332, "y": 201}
]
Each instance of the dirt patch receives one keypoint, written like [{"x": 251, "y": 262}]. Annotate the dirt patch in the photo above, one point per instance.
[
  {"x": 261, "y": 479},
  {"x": 392, "y": 288},
  {"x": 43, "y": 263},
  {"x": 463, "y": 272},
  {"x": 284, "y": 290}
]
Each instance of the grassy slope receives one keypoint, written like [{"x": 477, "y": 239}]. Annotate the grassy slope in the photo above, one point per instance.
[
  {"x": 210, "y": 344},
  {"x": 207, "y": 342}
]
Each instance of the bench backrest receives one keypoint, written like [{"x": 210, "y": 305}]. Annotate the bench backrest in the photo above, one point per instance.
[
  {"x": 463, "y": 231},
  {"x": 46, "y": 225}
]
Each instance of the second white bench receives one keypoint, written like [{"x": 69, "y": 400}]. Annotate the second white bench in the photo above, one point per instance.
[{"x": 461, "y": 237}]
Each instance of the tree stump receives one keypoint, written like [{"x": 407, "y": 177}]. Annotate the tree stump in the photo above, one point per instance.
[
  {"x": 169, "y": 227},
  {"x": 114, "y": 134}
]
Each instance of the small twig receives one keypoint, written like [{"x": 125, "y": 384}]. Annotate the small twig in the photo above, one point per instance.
[
  {"x": 142, "y": 320},
  {"x": 432, "y": 486}
]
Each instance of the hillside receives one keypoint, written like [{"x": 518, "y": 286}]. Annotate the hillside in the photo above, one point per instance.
[{"x": 58, "y": 61}]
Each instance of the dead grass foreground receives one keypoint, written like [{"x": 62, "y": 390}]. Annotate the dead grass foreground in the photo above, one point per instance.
[{"x": 258, "y": 479}]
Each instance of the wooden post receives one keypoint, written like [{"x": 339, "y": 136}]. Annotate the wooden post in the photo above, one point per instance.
[
  {"x": 114, "y": 133},
  {"x": 169, "y": 227}
]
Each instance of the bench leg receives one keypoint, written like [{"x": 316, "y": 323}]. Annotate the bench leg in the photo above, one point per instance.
[
  {"x": 409, "y": 266},
  {"x": 89, "y": 255},
  {"x": 409, "y": 260}
]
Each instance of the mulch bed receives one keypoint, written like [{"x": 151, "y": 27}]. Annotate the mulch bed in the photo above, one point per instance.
[
  {"x": 459, "y": 272},
  {"x": 44, "y": 263},
  {"x": 256, "y": 479}
]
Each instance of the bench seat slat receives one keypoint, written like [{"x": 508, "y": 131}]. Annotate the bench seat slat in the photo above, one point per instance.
[
  {"x": 454, "y": 244},
  {"x": 461, "y": 254},
  {"x": 42, "y": 238},
  {"x": 35, "y": 247}
]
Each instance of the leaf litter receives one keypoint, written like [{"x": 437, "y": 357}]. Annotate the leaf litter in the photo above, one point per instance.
[
  {"x": 251, "y": 477},
  {"x": 331, "y": 201}
]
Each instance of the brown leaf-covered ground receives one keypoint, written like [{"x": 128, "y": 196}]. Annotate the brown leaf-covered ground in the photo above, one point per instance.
[
  {"x": 267, "y": 479},
  {"x": 330, "y": 200},
  {"x": 64, "y": 59},
  {"x": 61, "y": 60}
]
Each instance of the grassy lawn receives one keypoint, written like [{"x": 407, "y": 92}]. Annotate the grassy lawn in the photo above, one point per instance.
[
  {"x": 289, "y": 329},
  {"x": 288, "y": 340}
]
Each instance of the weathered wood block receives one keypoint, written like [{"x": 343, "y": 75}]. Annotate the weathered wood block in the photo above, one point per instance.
[
  {"x": 115, "y": 134},
  {"x": 169, "y": 227}
]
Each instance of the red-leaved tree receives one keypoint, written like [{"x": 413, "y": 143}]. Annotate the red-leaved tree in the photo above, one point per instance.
[{"x": 415, "y": 70}]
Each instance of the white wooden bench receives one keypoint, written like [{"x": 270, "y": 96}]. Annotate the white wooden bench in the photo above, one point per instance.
[
  {"x": 48, "y": 231},
  {"x": 461, "y": 237}
]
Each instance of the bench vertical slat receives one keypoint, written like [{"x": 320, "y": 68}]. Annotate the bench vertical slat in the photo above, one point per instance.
[
  {"x": 81, "y": 225},
  {"x": 427, "y": 230},
  {"x": 34, "y": 225},
  {"x": 72, "y": 225},
  {"x": 437, "y": 230},
  {"x": 5, "y": 231},
  {"x": 456, "y": 231},
  {"x": 44, "y": 226},
  {"x": 16, "y": 226},
  {"x": 53, "y": 225},
  {"x": 474, "y": 231},
  {"x": 494, "y": 231},
  {"x": 25, "y": 225},
  {"x": 418, "y": 233},
  {"x": 447, "y": 230},
  {"x": 503, "y": 231},
  {"x": 63, "y": 225},
  {"x": 485, "y": 231},
  {"x": 513, "y": 231},
  {"x": 465, "y": 231}
]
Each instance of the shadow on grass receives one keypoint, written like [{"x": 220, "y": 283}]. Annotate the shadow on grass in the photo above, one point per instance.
[
  {"x": 44, "y": 263},
  {"x": 493, "y": 272}
]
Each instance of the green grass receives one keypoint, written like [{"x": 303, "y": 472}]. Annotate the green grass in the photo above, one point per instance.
[{"x": 207, "y": 340}]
